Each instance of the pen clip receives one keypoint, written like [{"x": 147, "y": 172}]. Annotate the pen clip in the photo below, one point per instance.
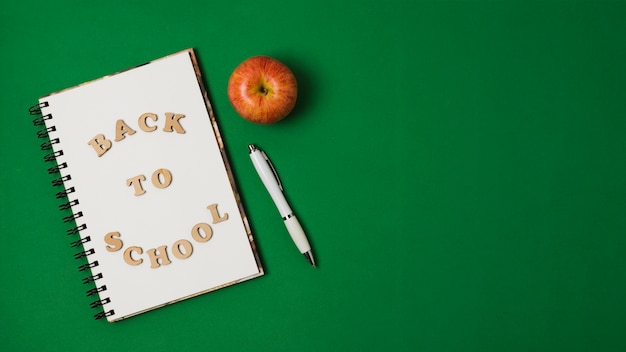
[{"x": 269, "y": 162}]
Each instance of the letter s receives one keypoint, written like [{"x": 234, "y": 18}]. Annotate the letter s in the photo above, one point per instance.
[{"x": 114, "y": 244}]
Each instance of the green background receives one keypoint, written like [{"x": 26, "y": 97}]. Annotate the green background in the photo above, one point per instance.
[{"x": 459, "y": 167}]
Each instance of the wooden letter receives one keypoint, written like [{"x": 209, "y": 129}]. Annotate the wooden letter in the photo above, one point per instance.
[
  {"x": 156, "y": 179},
  {"x": 172, "y": 123},
  {"x": 216, "y": 215},
  {"x": 188, "y": 249},
  {"x": 121, "y": 128},
  {"x": 142, "y": 122},
  {"x": 198, "y": 235},
  {"x": 136, "y": 182},
  {"x": 158, "y": 253},
  {"x": 128, "y": 255},
  {"x": 113, "y": 241},
  {"x": 100, "y": 144}
]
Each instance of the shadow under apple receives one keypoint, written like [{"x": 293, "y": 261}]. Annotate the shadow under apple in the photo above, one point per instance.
[{"x": 306, "y": 85}]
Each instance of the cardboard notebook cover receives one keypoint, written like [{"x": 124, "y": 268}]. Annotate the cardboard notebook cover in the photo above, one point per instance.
[{"x": 151, "y": 193}]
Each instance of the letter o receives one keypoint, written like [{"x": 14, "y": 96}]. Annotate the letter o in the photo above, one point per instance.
[
  {"x": 156, "y": 178},
  {"x": 188, "y": 249},
  {"x": 197, "y": 235}
]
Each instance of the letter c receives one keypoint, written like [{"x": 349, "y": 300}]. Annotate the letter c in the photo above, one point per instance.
[{"x": 128, "y": 255}]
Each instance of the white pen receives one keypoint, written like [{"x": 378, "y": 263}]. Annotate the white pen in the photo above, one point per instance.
[{"x": 270, "y": 179}]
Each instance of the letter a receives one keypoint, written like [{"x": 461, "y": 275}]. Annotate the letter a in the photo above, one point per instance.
[{"x": 121, "y": 128}]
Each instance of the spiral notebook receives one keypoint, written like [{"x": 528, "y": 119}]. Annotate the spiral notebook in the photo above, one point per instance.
[{"x": 152, "y": 197}]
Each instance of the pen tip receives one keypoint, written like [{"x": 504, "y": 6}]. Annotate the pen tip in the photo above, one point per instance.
[
  {"x": 252, "y": 147},
  {"x": 309, "y": 256}
]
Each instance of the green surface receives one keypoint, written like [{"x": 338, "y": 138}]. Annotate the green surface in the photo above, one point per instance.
[{"x": 459, "y": 167}]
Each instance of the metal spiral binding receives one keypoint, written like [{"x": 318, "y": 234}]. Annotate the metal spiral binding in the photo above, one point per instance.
[
  {"x": 89, "y": 279},
  {"x": 75, "y": 230},
  {"x": 104, "y": 314},
  {"x": 81, "y": 241},
  {"x": 52, "y": 156},
  {"x": 56, "y": 169},
  {"x": 68, "y": 205}
]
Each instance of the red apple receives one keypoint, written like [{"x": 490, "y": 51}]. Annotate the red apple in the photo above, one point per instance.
[{"x": 262, "y": 90}]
